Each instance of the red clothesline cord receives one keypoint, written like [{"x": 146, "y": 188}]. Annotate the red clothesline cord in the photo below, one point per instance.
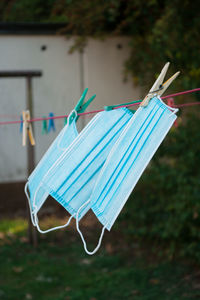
[{"x": 96, "y": 111}]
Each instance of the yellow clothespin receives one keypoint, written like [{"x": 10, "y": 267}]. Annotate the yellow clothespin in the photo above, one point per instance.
[
  {"x": 27, "y": 128},
  {"x": 159, "y": 87}
]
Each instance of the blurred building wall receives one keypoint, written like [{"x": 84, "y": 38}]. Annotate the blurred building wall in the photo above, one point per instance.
[{"x": 100, "y": 68}]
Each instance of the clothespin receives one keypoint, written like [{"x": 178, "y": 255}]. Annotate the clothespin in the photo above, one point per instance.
[
  {"x": 27, "y": 128},
  {"x": 80, "y": 107},
  {"x": 51, "y": 123},
  {"x": 159, "y": 87},
  {"x": 110, "y": 107},
  {"x": 65, "y": 121},
  {"x": 44, "y": 126},
  {"x": 21, "y": 124}
]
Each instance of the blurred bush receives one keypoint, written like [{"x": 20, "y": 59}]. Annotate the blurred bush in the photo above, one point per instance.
[
  {"x": 159, "y": 30},
  {"x": 165, "y": 205}
]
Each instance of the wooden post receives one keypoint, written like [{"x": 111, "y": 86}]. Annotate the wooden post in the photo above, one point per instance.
[
  {"x": 32, "y": 234},
  {"x": 28, "y": 75}
]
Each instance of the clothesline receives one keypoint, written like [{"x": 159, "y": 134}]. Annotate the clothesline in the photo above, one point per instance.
[{"x": 96, "y": 111}]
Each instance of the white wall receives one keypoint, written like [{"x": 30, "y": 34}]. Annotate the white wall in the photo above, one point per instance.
[{"x": 64, "y": 76}]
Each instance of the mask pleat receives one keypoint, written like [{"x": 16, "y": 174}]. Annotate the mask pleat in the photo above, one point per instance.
[
  {"x": 138, "y": 165},
  {"x": 68, "y": 133},
  {"x": 72, "y": 180},
  {"x": 88, "y": 158},
  {"x": 131, "y": 158},
  {"x": 126, "y": 149},
  {"x": 128, "y": 159},
  {"x": 96, "y": 158}
]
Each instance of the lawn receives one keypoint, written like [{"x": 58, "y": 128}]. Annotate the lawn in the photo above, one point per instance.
[{"x": 58, "y": 269}]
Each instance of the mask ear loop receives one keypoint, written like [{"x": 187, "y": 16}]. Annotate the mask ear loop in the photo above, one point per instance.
[
  {"x": 51, "y": 229},
  {"x": 81, "y": 235},
  {"x": 68, "y": 118},
  {"x": 173, "y": 109},
  {"x": 34, "y": 217},
  {"x": 29, "y": 202}
]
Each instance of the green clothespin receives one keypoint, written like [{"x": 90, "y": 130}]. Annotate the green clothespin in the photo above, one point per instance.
[
  {"x": 110, "y": 107},
  {"x": 65, "y": 121},
  {"x": 44, "y": 126},
  {"x": 80, "y": 107}
]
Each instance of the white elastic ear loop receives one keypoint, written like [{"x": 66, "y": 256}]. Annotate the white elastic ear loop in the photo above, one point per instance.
[
  {"x": 34, "y": 217},
  {"x": 173, "y": 109},
  {"x": 53, "y": 228},
  {"x": 81, "y": 235},
  {"x": 72, "y": 112},
  {"x": 29, "y": 202}
]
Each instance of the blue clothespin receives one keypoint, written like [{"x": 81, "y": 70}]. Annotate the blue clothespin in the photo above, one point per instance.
[
  {"x": 21, "y": 124},
  {"x": 80, "y": 107},
  {"x": 51, "y": 125}
]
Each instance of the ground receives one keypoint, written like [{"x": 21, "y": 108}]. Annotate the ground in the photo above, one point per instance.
[{"x": 59, "y": 269}]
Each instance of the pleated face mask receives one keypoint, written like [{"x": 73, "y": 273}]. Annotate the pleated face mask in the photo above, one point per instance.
[
  {"x": 63, "y": 140},
  {"x": 72, "y": 177},
  {"x": 37, "y": 194},
  {"x": 126, "y": 162}
]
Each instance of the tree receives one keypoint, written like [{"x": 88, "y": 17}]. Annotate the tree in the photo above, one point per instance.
[{"x": 159, "y": 30}]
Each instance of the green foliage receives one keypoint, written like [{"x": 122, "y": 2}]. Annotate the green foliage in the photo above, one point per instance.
[
  {"x": 172, "y": 36},
  {"x": 58, "y": 269},
  {"x": 165, "y": 206},
  {"x": 26, "y": 10},
  {"x": 159, "y": 30}
]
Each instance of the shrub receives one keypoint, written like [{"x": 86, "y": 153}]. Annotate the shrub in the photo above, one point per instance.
[{"x": 165, "y": 205}]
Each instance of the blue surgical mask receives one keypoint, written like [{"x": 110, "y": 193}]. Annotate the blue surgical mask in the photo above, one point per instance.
[
  {"x": 72, "y": 177},
  {"x": 127, "y": 161},
  {"x": 63, "y": 140}
]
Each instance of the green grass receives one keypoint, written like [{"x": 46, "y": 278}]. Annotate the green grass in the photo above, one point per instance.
[{"x": 60, "y": 270}]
